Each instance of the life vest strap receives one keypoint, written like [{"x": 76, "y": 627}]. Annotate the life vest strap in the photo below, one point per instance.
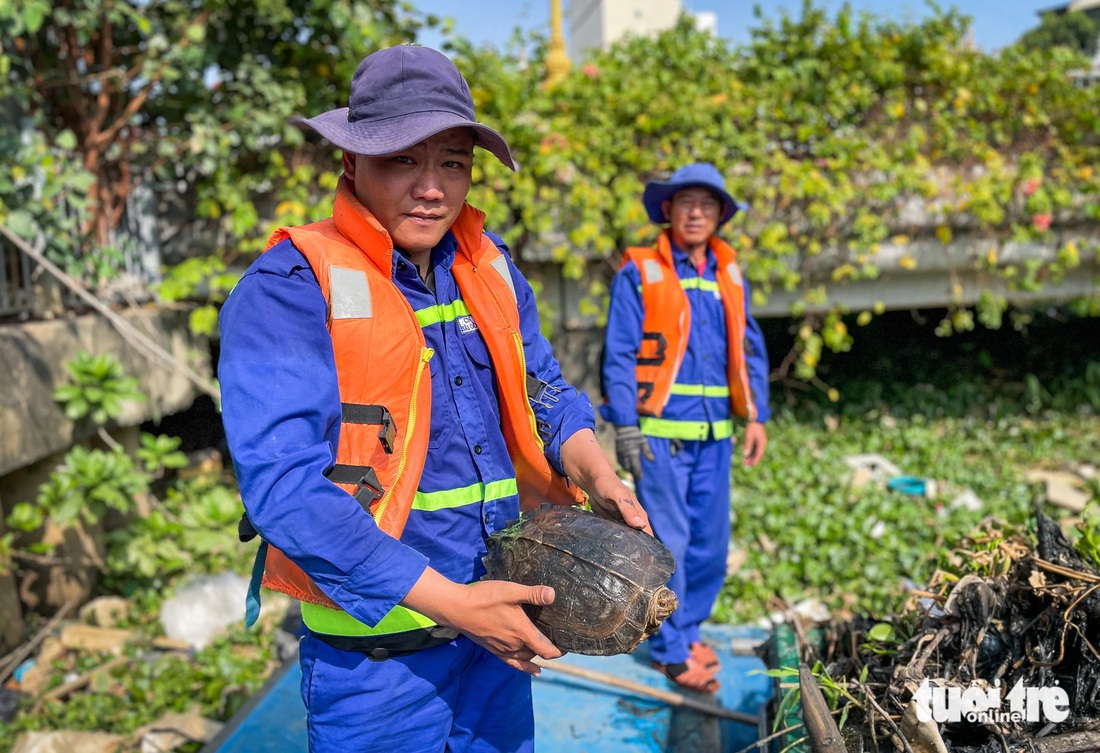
[
  {"x": 382, "y": 647},
  {"x": 354, "y": 413},
  {"x": 370, "y": 489},
  {"x": 363, "y": 476}
]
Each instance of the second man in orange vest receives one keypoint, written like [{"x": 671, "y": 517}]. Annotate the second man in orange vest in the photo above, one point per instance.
[{"x": 682, "y": 358}]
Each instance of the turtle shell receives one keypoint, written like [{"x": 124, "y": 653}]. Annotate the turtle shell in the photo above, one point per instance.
[{"x": 609, "y": 579}]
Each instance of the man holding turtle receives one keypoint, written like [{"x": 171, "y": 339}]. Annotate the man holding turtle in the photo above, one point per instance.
[{"x": 388, "y": 401}]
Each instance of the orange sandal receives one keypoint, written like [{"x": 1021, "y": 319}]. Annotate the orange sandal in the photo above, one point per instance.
[
  {"x": 705, "y": 655},
  {"x": 690, "y": 675}
]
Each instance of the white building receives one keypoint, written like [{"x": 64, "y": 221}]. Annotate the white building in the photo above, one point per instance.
[{"x": 597, "y": 23}]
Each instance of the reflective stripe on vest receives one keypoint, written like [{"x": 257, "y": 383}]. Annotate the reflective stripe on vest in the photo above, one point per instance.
[
  {"x": 698, "y": 283},
  {"x": 667, "y": 428},
  {"x": 500, "y": 264},
  {"x": 349, "y": 294},
  {"x": 700, "y": 390}
]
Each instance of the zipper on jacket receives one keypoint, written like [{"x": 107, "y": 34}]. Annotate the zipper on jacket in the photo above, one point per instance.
[
  {"x": 425, "y": 356},
  {"x": 517, "y": 340}
]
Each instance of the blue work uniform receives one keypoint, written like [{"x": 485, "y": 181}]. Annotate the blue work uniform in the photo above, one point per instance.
[
  {"x": 282, "y": 417},
  {"x": 685, "y": 490}
]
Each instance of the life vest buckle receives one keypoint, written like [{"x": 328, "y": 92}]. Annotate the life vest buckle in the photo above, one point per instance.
[
  {"x": 370, "y": 489},
  {"x": 541, "y": 393},
  {"x": 388, "y": 433},
  {"x": 658, "y": 353}
]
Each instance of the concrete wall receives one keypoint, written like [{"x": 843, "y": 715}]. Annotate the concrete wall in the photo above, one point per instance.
[
  {"x": 32, "y": 363},
  {"x": 944, "y": 275},
  {"x": 35, "y": 435}
]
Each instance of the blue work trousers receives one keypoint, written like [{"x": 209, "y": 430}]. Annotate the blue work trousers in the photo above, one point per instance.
[
  {"x": 457, "y": 698},
  {"x": 687, "y": 498}
]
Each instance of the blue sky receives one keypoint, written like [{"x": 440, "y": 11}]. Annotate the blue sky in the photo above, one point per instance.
[{"x": 996, "y": 23}]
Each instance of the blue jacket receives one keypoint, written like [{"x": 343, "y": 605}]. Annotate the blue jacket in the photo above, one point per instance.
[
  {"x": 704, "y": 362},
  {"x": 282, "y": 420}
]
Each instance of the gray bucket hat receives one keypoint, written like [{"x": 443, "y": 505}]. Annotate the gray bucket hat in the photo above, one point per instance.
[{"x": 401, "y": 96}]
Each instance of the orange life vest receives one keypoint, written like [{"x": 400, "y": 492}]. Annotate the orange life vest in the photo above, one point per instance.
[
  {"x": 381, "y": 364},
  {"x": 667, "y": 323}
]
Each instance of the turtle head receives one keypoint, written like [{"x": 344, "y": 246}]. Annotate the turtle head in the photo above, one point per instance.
[{"x": 664, "y": 603}]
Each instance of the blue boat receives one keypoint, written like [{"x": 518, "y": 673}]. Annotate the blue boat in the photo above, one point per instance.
[{"x": 572, "y": 714}]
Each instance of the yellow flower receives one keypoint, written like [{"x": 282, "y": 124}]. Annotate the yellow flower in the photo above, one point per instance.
[
  {"x": 907, "y": 262},
  {"x": 843, "y": 271}
]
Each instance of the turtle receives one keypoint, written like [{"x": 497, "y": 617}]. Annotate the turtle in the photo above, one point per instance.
[{"x": 610, "y": 580}]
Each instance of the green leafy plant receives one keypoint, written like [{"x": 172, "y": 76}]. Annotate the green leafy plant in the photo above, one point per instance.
[
  {"x": 6, "y": 549},
  {"x": 836, "y": 693},
  {"x": 883, "y": 638},
  {"x": 193, "y": 529},
  {"x": 214, "y": 682},
  {"x": 99, "y": 388},
  {"x": 1088, "y": 543},
  {"x": 160, "y": 452},
  {"x": 84, "y": 487},
  {"x": 1076, "y": 31},
  {"x": 827, "y": 125}
]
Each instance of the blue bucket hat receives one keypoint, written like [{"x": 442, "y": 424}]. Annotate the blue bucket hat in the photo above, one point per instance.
[
  {"x": 401, "y": 96},
  {"x": 701, "y": 175}
]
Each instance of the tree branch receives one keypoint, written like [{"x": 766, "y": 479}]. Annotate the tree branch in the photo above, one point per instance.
[{"x": 149, "y": 347}]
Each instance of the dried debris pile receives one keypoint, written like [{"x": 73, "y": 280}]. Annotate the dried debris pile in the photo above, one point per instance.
[{"x": 1004, "y": 658}]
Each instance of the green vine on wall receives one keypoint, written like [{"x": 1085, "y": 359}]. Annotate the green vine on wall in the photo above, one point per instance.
[
  {"x": 830, "y": 127},
  {"x": 833, "y": 127}
]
